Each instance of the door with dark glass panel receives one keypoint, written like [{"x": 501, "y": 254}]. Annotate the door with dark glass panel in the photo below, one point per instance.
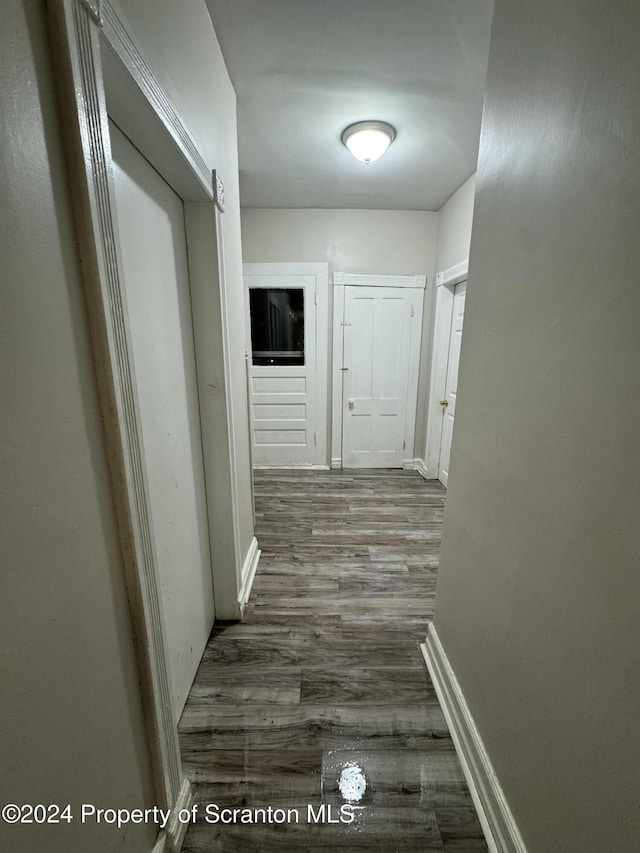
[{"x": 282, "y": 368}]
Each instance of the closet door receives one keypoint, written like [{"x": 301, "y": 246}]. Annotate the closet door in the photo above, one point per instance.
[
  {"x": 154, "y": 258},
  {"x": 377, "y": 350}
]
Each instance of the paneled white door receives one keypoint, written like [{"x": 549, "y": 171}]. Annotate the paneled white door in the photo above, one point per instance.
[
  {"x": 451, "y": 395},
  {"x": 287, "y": 363},
  {"x": 377, "y": 351}
]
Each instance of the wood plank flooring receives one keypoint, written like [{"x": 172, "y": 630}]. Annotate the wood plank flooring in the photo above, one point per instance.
[{"x": 322, "y": 689}]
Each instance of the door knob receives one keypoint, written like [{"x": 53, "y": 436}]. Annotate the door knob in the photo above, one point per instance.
[
  {"x": 444, "y": 402},
  {"x": 351, "y": 404}
]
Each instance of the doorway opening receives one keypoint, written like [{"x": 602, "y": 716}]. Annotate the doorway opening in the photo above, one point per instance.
[{"x": 451, "y": 288}]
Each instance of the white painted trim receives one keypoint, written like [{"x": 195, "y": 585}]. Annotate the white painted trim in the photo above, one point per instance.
[
  {"x": 170, "y": 839},
  {"x": 249, "y": 568},
  {"x": 320, "y": 270},
  {"x": 139, "y": 105},
  {"x": 454, "y": 275},
  {"x": 218, "y": 190},
  {"x": 206, "y": 278},
  {"x": 417, "y": 284},
  {"x": 290, "y": 467},
  {"x": 497, "y": 821},
  {"x": 343, "y": 279},
  {"x": 420, "y": 467},
  {"x": 415, "y": 346},
  {"x": 177, "y": 829},
  {"x": 231, "y": 434},
  {"x": 337, "y": 375},
  {"x": 446, "y": 281},
  {"x": 247, "y": 382},
  {"x": 94, "y": 9}
]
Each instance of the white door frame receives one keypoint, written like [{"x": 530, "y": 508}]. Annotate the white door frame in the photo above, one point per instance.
[
  {"x": 321, "y": 272},
  {"x": 100, "y": 73},
  {"x": 446, "y": 282},
  {"x": 341, "y": 280}
]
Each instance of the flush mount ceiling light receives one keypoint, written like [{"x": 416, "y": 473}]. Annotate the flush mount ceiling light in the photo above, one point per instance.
[{"x": 368, "y": 140}]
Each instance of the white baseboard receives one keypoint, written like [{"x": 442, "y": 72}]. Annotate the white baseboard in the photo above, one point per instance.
[
  {"x": 336, "y": 462},
  {"x": 498, "y": 824},
  {"x": 308, "y": 467},
  {"x": 420, "y": 467},
  {"x": 170, "y": 839},
  {"x": 249, "y": 568}
]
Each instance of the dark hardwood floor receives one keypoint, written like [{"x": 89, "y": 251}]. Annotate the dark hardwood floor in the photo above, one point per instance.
[{"x": 320, "y": 697}]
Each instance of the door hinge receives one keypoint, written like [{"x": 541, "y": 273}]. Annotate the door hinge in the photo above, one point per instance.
[
  {"x": 404, "y": 445},
  {"x": 412, "y": 310},
  {"x": 315, "y": 297},
  {"x": 315, "y": 438}
]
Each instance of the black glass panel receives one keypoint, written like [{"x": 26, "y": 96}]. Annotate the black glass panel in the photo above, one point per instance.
[{"x": 277, "y": 325}]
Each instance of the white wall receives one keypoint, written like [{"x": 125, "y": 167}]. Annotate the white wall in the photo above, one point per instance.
[
  {"x": 382, "y": 242},
  {"x": 452, "y": 246},
  {"x": 455, "y": 219},
  {"x": 179, "y": 43},
  {"x": 538, "y": 601},
  {"x": 72, "y": 728}
]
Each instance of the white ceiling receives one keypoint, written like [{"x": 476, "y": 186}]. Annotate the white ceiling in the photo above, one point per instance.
[{"x": 305, "y": 69}]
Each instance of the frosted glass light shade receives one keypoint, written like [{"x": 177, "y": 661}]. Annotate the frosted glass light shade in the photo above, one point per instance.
[{"x": 368, "y": 140}]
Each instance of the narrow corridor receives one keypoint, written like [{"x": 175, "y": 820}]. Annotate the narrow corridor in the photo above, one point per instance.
[{"x": 320, "y": 697}]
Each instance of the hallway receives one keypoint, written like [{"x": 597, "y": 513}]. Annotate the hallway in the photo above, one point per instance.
[{"x": 322, "y": 689}]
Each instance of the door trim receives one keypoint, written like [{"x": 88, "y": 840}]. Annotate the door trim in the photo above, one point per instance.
[
  {"x": 340, "y": 279},
  {"x": 100, "y": 72},
  {"x": 446, "y": 282},
  {"x": 417, "y": 283},
  {"x": 321, "y": 271}
]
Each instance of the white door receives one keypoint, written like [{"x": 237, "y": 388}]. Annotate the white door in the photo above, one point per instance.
[
  {"x": 156, "y": 283},
  {"x": 451, "y": 392},
  {"x": 287, "y": 364},
  {"x": 377, "y": 352}
]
